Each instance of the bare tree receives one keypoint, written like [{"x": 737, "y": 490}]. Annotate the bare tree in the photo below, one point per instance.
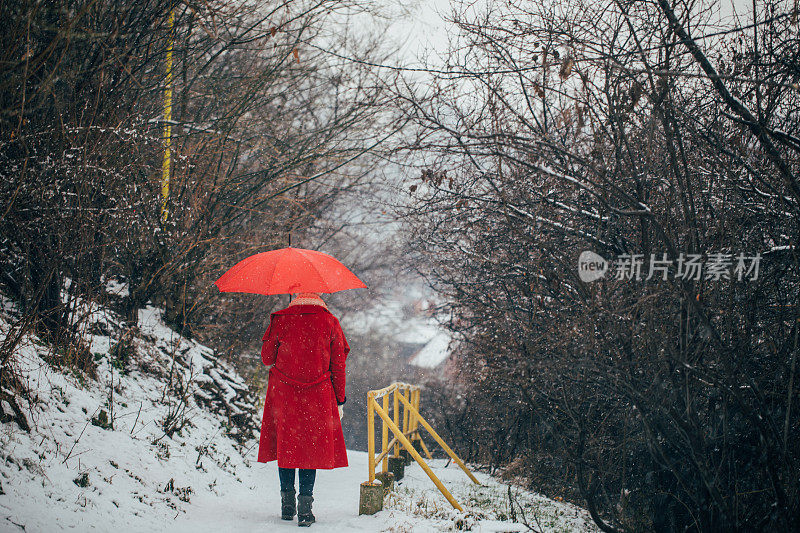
[{"x": 662, "y": 403}]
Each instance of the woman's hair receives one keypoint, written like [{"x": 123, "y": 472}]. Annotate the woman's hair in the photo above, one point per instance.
[{"x": 307, "y": 295}]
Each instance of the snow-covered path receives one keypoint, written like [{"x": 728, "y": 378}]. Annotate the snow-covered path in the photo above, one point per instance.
[
  {"x": 254, "y": 504},
  {"x": 416, "y": 506}
]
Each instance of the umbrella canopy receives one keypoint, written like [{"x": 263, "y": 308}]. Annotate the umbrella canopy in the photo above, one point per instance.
[{"x": 288, "y": 271}]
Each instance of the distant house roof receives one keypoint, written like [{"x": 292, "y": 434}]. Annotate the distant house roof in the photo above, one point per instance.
[
  {"x": 433, "y": 353},
  {"x": 407, "y": 350}
]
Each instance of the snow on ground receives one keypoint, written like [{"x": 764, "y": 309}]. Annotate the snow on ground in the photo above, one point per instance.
[
  {"x": 117, "y": 288},
  {"x": 69, "y": 473},
  {"x": 415, "y": 505}
]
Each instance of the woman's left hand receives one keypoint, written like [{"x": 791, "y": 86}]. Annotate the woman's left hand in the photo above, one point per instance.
[{"x": 341, "y": 411}]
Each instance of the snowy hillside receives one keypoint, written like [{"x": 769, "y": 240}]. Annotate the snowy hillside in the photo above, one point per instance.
[{"x": 97, "y": 457}]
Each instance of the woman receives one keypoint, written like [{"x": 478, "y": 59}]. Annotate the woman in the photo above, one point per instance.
[{"x": 301, "y": 426}]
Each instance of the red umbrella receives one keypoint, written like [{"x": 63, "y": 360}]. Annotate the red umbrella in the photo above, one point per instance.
[{"x": 288, "y": 271}]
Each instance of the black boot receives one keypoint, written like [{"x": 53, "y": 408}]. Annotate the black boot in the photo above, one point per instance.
[
  {"x": 288, "y": 505},
  {"x": 304, "y": 516}
]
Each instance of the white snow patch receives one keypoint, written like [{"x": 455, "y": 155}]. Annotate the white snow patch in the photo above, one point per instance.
[{"x": 117, "y": 288}]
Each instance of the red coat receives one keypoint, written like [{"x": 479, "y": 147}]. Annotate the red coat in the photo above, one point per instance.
[{"x": 301, "y": 427}]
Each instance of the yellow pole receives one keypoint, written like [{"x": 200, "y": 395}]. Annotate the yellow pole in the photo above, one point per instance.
[
  {"x": 415, "y": 427},
  {"x": 417, "y": 457},
  {"x": 396, "y": 419},
  {"x": 442, "y": 443},
  {"x": 385, "y": 437},
  {"x": 165, "y": 169},
  {"x": 406, "y": 393},
  {"x": 413, "y": 419},
  {"x": 371, "y": 435}
]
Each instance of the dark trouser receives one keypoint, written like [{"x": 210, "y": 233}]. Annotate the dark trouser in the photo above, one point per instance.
[{"x": 306, "y": 476}]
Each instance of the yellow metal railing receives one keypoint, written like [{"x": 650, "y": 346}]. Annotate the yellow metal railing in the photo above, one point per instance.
[{"x": 408, "y": 397}]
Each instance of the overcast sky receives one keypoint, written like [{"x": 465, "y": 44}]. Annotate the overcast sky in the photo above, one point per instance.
[{"x": 420, "y": 29}]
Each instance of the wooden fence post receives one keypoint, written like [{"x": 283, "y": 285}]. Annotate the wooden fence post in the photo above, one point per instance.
[
  {"x": 385, "y": 435},
  {"x": 371, "y": 436}
]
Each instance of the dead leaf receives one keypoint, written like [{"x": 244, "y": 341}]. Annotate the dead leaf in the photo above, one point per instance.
[
  {"x": 566, "y": 116},
  {"x": 566, "y": 67},
  {"x": 296, "y": 54},
  {"x": 635, "y": 94}
]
